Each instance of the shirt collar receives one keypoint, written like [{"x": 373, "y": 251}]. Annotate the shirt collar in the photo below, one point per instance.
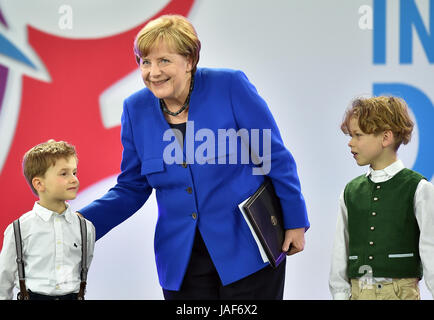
[
  {"x": 46, "y": 214},
  {"x": 389, "y": 171}
]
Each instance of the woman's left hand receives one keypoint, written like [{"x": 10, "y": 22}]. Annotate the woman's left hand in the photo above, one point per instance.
[{"x": 294, "y": 241}]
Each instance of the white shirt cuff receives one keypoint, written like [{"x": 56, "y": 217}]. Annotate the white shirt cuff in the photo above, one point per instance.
[{"x": 342, "y": 295}]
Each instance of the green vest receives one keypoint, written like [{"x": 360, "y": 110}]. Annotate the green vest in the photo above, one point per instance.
[{"x": 382, "y": 227}]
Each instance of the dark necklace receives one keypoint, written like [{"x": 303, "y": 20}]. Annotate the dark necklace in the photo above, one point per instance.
[{"x": 187, "y": 100}]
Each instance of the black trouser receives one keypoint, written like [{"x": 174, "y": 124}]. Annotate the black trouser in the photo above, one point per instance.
[
  {"x": 38, "y": 296},
  {"x": 201, "y": 281}
]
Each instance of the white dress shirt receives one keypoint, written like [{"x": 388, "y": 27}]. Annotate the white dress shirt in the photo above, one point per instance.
[
  {"x": 424, "y": 211},
  {"x": 51, "y": 252}
]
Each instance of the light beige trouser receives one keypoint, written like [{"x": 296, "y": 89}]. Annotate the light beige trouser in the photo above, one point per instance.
[{"x": 398, "y": 289}]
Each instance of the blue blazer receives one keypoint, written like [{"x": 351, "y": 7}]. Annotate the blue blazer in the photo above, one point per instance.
[{"x": 197, "y": 194}]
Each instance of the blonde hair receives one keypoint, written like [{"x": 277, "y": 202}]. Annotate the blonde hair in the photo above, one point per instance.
[
  {"x": 379, "y": 114},
  {"x": 176, "y": 31},
  {"x": 38, "y": 159}
]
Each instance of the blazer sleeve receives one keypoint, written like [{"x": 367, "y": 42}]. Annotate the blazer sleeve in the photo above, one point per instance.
[
  {"x": 251, "y": 112},
  {"x": 128, "y": 195}
]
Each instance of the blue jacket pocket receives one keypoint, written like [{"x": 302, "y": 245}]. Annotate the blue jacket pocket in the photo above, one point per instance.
[{"x": 152, "y": 166}]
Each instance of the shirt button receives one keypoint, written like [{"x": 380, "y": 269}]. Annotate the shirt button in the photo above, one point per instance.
[
  {"x": 372, "y": 228},
  {"x": 184, "y": 164},
  {"x": 194, "y": 215},
  {"x": 58, "y": 267},
  {"x": 57, "y": 287},
  {"x": 374, "y": 213},
  {"x": 189, "y": 190}
]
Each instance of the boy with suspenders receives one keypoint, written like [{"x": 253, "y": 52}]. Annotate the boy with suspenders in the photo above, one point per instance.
[{"x": 47, "y": 251}]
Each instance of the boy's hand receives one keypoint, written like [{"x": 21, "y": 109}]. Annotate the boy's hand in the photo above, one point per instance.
[{"x": 294, "y": 241}]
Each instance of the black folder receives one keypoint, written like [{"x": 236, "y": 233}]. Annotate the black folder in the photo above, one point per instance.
[{"x": 264, "y": 212}]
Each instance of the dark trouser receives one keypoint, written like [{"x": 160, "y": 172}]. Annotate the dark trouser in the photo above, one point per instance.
[
  {"x": 38, "y": 296},
  {"x": 201, "y": 281}
]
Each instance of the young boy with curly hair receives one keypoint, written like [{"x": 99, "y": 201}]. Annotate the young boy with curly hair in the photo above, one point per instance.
[
  {"x": 384, "y": 240},
  {"x": 47, "y": 251}
]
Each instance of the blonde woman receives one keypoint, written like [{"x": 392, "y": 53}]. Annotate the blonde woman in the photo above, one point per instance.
[{"x": 203, "y": 246}]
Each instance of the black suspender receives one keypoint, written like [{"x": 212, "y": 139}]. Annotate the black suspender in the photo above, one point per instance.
[
  {"x": 24, "y": 295},
  {"x": 84, "y": 269}
]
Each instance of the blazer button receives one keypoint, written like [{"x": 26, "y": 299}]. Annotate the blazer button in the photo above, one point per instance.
[
  {"x": 374, "y": 213},
  {"x": 189, "y": 190},
  {"x": 372, "y": 228},
  {"x": 378, "y": 187},
  {"x": 375, "y": 198},
  {"x": 194, "y": 215},
  {"x": 370, "y": 257},
  {"x": 371, "y": 243}
]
